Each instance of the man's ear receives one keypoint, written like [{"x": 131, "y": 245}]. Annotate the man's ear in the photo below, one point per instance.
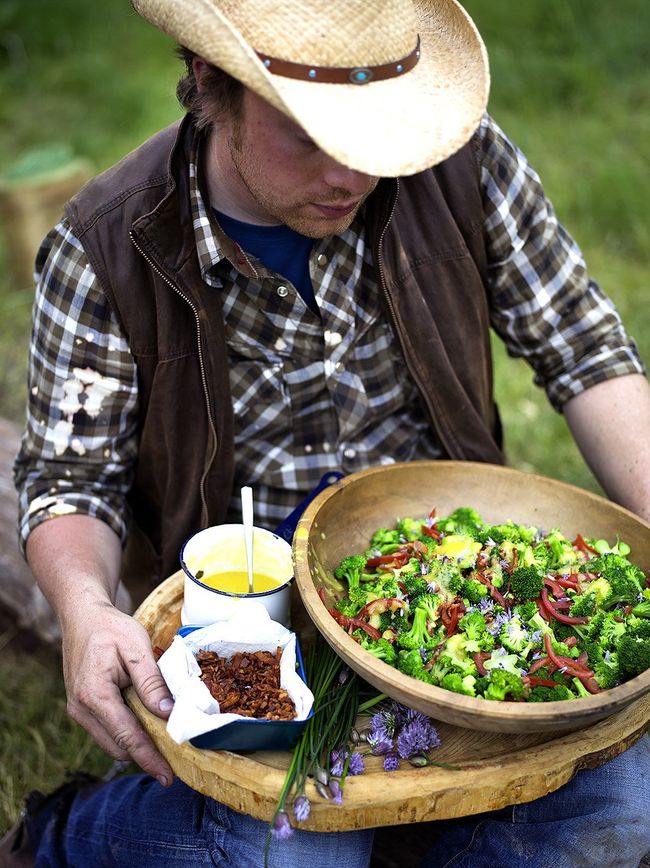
[{"x": 200, "y": 68}]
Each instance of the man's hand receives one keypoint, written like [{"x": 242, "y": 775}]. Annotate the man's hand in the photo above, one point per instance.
[
  {"x": 76, "y": 562},
  {"x": 103, "y": 652}
]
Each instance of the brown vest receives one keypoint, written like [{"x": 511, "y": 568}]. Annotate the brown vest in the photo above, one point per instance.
[{"x": 135, "y": 225}]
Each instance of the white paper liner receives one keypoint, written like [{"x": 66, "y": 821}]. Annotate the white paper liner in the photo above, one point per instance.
[{"x": 248, "y": 628}]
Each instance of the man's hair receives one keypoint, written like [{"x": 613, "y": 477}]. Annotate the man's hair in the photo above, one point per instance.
[{"x": 221, "y": 93}]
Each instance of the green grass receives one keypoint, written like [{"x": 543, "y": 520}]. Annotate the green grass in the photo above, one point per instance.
[
  {"x": 571, "y": 85},
  {"x": 39, "y": 744}
]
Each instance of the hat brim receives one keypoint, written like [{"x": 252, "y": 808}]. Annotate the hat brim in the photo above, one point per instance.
[{"x": 388, "y": 128}]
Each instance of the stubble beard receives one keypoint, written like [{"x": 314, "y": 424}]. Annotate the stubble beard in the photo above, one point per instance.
[{"x": 289, "y": 215}]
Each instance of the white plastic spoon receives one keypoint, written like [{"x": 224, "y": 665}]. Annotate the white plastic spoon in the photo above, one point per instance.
[{"x": 247, "y": 520}]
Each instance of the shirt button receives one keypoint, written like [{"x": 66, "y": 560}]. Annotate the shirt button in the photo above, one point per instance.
[
  {"x": 339, "y": 367},
  {"x": 282, "y": 291},
  {"x": 308, "y": 448},
  {"x": 326, "y": 447},
  {"x": 321, "y": 259},
  {"x": 350, "y": 453}
]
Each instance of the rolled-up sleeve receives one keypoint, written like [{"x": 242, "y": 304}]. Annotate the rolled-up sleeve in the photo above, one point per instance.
[
  {"x": 79, "y": 446},
  {"x": 545, "y": 306}
]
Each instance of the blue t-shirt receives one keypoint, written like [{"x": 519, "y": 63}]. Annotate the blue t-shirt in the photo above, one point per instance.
[{"x": 280, "y": 248}]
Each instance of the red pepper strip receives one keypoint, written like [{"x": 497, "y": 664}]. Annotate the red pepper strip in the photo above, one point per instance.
[
  {"x": 566, "y": 583},
  {"x": 557, "y": 589},
  {"x": 496, "y": 595},
  {"x": 562, "y": 605},
  {"x": 583, "y": 546},
  {"x": 541, "y": 608},
  {"x": 384, "y": 604},
  {"x": 563, "y": 619},
  {"x": 582, "y": 659},
  {"x": 566, "y": 663},
  {"x": 344, "y": 621},
  {"x": 432, "y": 514},
  {"x": 572, "y": 641},
  {"x": 417, "y": 547},
  {"x": 544, "y": 682},
  {"x": 321, "y": 594},
  {"x": 431, "y": 532},
  {"x": 539, "y": 664},
  {"x": 397, "y": 559},
  {"x": 592, "y": 685},
  {"x": 363, "y": 625},
  {"x": 478, "y": 659},
  {"x": 647, "y": 581}
]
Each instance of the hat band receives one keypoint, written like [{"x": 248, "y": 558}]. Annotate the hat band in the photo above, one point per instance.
[{"x": 340, "y": 74}]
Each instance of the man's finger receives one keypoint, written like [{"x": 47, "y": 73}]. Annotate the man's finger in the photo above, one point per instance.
[{"x": 150, "y": 685}]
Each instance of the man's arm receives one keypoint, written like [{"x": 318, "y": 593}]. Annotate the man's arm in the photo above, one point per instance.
[
  {"x": 611, "y": 424},
  {"x": 76, "y": 560}
]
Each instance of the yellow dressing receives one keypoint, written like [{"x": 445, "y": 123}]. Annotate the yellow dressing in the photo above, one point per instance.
[{"x": 236, "y": 582}]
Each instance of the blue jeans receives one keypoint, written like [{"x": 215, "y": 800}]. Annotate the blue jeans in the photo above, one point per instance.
[{"x": 599, "y": 819}]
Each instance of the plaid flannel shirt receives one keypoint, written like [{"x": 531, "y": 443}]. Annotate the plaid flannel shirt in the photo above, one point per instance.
[{"x": 310, "y": 394}]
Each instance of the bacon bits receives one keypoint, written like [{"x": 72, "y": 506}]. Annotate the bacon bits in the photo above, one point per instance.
[{"x": 247, "y": 684}]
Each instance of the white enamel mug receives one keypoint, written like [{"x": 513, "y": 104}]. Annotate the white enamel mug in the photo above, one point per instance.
[{"x": 221, "y": 548}]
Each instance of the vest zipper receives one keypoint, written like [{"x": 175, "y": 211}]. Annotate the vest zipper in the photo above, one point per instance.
[
  {"x": 391, "y": 308},
  {"x": 204, "y": 379}
]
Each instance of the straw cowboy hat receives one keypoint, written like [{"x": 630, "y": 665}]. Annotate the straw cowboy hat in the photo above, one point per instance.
[{"x": 386, "y": 87}]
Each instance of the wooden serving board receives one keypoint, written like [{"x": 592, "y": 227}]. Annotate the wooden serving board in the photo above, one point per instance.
[{"x": 495, "y": 769}]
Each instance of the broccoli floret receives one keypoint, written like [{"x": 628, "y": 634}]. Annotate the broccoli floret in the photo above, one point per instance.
[
  {"x": 455, "y": 654},
  {"x": 515, "y": 533},
  {"x": 385, "y": 541},
  {"x": 350, "y": 570},
  {"x": 537, "y": 623},
  {"x": 561, "y": 550},
  {"x": 416, "y": 585},
  {"x": 431, "y": 605},
  {"x": 417, "y": 636},
  {"x": 606, "y": 671},
  {"x": 583, "y": 605},
  {"x": 611, "y": 631},
  {"x": 473, "y": 625},
  {"x": 504, "y": 684},
  {"x": 601, "y": 589},
  {"x": 464, "y": 520},
  {"x": 409, "y": 529},
  {"x": 580, "y": 689},
  {"x": 411, "y": 663},
  {"x": 472, "y": 591},
  {"x": 637, "y": 628},
  {"x": 348, "y": 606},
  {"x": 459, "y": 684},
  {"x": 499, "y": 660},
  {"x": 445, "y": 574},
  {"x": 515, "y": 637},
  {"x": 381, "y": 648},
  {"x": 562, "y": 632},
  {"x": 633, "y": 656},
  {"x": 642, "y": 609},
  {"x": 625, "y": 579},
  {"x": 526, "y": 611},
  {"x": 526, "y": 583},
  {"x": 542, "y": 693}
]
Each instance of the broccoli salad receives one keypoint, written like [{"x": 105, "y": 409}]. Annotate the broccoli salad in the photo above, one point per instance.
[{"x": 502, "y": 612}]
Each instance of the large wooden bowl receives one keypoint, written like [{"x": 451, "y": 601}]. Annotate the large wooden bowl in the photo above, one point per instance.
[{"x": 341, "y": 520}]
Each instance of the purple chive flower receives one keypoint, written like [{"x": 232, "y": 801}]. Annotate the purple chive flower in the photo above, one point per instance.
[
  {"x": 383, "y": 723},
  {"x": 417, "y": 736},
  {"x": 391, "y": 763},
  {"x": 536, "y": 637},
  {"x": 301, "y": 808},
  {"x": 485, "y": 605},
  {"x": 501, "y": 652},
  {"x": 379, "y": 744},
  {"x": 343, "y": 675},
  {"x": 281, "y": 828},
  {"x": 335, "y": 790},
  {"x": 500, "y": 620},
  {"x": 356, "y": 765}
]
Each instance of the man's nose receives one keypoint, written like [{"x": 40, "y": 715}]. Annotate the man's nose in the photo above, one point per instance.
[{"x": 340, "y": 176}]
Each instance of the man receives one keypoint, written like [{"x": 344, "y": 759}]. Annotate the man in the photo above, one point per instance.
[{"x": 252, "y": 298}]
